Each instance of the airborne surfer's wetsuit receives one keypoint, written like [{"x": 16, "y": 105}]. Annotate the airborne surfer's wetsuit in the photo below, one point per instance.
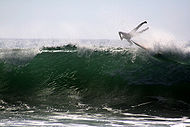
[{"x": 133, "y": 33}]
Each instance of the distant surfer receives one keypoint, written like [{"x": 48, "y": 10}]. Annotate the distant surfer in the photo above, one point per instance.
[{"x": 133, "y": 33}]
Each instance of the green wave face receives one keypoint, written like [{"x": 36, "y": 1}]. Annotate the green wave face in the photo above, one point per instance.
[{"x": 69, "y": 75}]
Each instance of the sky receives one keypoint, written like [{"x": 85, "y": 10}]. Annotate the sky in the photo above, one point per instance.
[{"x": 91, "y": 19}]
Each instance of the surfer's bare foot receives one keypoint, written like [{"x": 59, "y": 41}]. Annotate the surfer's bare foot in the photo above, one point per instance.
[{"x": 145, "y": 22}]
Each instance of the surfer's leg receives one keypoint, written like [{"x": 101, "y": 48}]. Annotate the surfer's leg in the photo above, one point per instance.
[
  {"x": 143, "y": 30},
  {"x": 134, "y": 30}
]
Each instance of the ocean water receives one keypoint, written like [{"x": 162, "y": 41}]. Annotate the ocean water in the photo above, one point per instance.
[{"x": 93, "y": 83}]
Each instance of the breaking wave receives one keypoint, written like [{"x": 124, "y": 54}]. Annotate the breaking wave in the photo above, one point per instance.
[{"x": 129, "y": 79}]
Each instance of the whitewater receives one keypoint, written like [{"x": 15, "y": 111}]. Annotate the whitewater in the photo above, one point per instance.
[{"x": 56, "y": 82}]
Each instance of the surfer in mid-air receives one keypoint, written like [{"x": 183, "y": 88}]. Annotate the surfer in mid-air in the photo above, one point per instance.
[{"x": 133, "y": 33}]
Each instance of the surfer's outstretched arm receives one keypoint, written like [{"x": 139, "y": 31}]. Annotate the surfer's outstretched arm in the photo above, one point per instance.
[
  {"x": 120, "y": 35},
  {"x": 130, "y": 42},
  {"x": 138, "y": 45},
  {"x": 123, "y": 35},
  {"x": 134, "y": 30}
]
